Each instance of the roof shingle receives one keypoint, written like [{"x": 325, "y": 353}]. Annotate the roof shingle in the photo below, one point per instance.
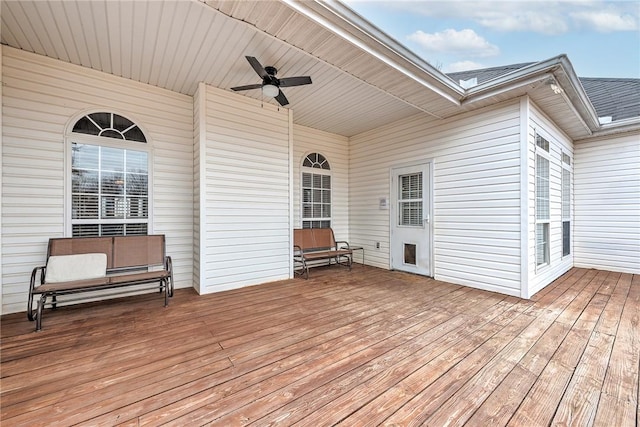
[{"x": 615, "y": 97}]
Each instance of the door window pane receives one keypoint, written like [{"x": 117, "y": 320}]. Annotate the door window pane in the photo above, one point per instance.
[
  {"x": 410, "y": 200},
  {"x": 410, "y": 213}
]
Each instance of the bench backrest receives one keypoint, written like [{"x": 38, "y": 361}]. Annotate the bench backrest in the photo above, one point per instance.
[
  {"x": 122, "y": 251},
  {"x": 314, "y": 238}
]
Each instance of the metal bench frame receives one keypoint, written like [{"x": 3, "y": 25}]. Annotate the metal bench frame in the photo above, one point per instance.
[
  {"x": 313, "y": 244},
  {"x": 131, "y": 261}
]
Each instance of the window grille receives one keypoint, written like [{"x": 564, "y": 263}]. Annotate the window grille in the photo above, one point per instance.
[
  {"x": 109, "y": 125},
  {"x": 109, "y": 183},
  {"x": 316, "y": 192},
  {"x": 542, "y": 207},
  {"x": 410, "y": 203},
  {"x": 566, "y": 205}
]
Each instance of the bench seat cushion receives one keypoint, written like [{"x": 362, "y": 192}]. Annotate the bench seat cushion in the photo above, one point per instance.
[{"x": 69, "y": 268}]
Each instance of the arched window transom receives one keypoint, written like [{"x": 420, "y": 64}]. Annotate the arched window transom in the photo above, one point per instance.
[
  {"x": 316, "y": 160},
  {"x": 109, "y": 125}
]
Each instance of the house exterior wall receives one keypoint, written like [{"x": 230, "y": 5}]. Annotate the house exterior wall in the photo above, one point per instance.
[
  {"x": 539, "y": 277},
  {"x": 336, "y": 149},
  {"x": 607, "y": 204},
  {"x": 1, "y": 133},
  {"x": 40, "y": 98},
  {"x": 245, "y": 194},
  {"x": 476, "y": 224}
]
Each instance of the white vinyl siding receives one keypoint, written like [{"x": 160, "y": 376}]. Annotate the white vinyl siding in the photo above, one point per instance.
[
  {"x": 541, "y": 275},
  {"x": 41, "y": 97},
  {"x": 476, "y": 224},
  {"x": 246, "y": 190},
  {"x": 199, "y": 132},
  {"x": 606, "y": 224},
  {"x": 335, "y": 149},
  {"x": 1, "y": 186}
]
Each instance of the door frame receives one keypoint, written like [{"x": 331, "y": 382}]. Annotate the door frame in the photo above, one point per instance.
[{"x": 429, "y": 193}]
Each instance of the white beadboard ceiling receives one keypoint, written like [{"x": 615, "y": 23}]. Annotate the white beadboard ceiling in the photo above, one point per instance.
[{"x": 359, "y": 81}]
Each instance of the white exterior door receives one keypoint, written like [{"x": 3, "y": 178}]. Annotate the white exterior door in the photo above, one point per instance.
[{"x": 410, "y": 244}]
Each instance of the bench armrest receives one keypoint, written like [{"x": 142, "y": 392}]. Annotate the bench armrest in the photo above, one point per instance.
[
  {"x": 297, "y": 250},
  {"x": 32, "y": 287},
  {"x": 341, "y": 242},
  {"x": 168, "y": 265}
]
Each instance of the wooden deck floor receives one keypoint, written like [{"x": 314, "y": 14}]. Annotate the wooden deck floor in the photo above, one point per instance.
[{"x": 365, "y": 348}]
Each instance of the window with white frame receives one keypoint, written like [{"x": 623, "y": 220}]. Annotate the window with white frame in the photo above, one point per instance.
[
  {"x": 109, "y": 177},
  {"x": 316, "y": 192},
  {"x": 542, "y": 202},
  {"x": 566, "y": 204}
]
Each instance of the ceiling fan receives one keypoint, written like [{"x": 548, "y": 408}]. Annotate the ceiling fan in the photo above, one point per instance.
[{"x": 270, "y": 83}]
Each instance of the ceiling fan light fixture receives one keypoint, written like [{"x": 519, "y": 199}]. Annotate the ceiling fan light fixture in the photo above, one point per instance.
[{"x": 270, "y": 90}]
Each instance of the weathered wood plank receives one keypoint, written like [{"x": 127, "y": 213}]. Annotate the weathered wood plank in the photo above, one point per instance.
[
  {"x": 364, "y": 347},
  {"x": 619, "y": 400}
]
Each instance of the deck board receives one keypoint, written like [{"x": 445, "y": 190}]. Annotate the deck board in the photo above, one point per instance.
[{"x": 366, "y": 347}]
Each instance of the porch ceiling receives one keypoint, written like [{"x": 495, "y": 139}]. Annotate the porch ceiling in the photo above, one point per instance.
[
  {"x": 362, "y": 79},
  {"x": 175, "y": 44}
]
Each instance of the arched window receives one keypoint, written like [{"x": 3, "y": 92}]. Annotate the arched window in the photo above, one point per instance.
[
  {"x": 316, "y": 192},
  {"x": 109, "y": 177},
  {"x": 109, "y": 125}
]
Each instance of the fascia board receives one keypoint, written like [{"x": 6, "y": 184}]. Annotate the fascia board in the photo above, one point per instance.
[
  {"x": 342, "y": 21},
  {"x": 517, "y": 78},
  {"x": 558, "y": 67},
  {"x": 631, "y": 125}
]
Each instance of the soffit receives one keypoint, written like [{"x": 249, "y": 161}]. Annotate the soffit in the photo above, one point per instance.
[
  {"x": 176, "y": 44},
  {"x": 359, "y": 81}
]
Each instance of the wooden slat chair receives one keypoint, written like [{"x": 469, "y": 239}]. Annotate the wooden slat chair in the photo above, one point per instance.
[{"x": 314, "y": 244}]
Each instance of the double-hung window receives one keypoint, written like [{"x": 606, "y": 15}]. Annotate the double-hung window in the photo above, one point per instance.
[
  {"x": 109, "y": 177},
  {"x": 566, "y": 204},
  {"x": 316, "y": 192},
  {"x": 542, "y": 192}
]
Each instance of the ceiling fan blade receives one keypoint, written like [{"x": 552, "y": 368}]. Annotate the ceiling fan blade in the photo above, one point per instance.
[
  {"x": 247, "y": 87},
  {"x": 282, "y": 99},
  {"x": 295, "y": 81},
  {"x": 257, "y": 66}
]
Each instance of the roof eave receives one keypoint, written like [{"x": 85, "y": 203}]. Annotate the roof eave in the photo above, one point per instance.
[
  {"x": 560, "y": 69},
  {"x": 630, "y": 125},
  {"x": 343, "y": 21}
]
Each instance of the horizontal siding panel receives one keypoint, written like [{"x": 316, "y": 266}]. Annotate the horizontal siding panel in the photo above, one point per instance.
[
  {"x": 607, "y": 204},
  {"x": 476, "y": 158},
  {"x": 40, "y": 97},
  {"x": 475, "y": 278},
  {"x": 246, "y": 192}
]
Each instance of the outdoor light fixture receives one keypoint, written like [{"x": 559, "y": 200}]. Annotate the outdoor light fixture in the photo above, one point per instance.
[
  {"x": 270, "y": 91},
  {"x": 555, "y": 87}
]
